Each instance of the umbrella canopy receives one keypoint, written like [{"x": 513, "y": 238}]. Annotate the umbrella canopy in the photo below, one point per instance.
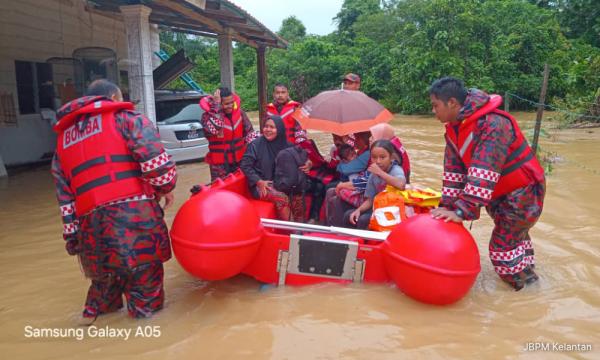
[{"x": 341, "y": 112}]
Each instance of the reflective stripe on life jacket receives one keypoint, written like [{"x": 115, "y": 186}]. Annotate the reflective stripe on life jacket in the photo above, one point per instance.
[
  {"x": 521, "y": 167},
  {"x": 286, "y": 115},
  {"x": 96, "y": 160}
]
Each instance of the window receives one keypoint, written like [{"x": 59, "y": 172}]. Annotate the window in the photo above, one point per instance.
[
  {"x": 96, "y": 63},
  {"x": 34, "y": 86},
  {"x": 66, "y": 87}
]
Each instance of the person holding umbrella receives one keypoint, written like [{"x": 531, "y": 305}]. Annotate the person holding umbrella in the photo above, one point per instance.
[
  {"x": 343, "y": 113},
  {"x": 351, "y": 82}
]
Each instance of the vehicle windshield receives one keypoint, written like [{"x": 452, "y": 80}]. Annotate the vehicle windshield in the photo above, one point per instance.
[{"x": 178, "y": 111}]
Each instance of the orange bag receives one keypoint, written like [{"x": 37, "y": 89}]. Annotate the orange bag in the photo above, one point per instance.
[{"x": 388, "y": 211}]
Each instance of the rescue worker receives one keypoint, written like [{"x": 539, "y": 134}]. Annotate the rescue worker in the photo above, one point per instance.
[
  {"x": 488, "y": 162},
  {"x": 228, "y": 131},
  {"x": 111, "y": 170},
  {"x": 284, "y": 107}
]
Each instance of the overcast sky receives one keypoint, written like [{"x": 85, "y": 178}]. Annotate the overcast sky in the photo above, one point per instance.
[{"x": 316, "y": 15}]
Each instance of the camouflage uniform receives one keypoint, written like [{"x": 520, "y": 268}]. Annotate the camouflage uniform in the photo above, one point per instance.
[
  {"x": 510, "y": 248},
  {"x": 212, "y": 122},
  {"x": 122, "y": 245}
]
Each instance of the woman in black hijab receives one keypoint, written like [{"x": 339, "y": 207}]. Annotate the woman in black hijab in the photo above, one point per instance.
[{"x": 258, "y": 164}]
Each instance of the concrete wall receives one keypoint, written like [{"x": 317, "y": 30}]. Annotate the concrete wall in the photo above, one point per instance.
[{"x": 35, "y": 30}]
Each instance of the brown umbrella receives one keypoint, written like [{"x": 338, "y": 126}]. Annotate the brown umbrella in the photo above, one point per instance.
[{"x": 341, "y": 112}]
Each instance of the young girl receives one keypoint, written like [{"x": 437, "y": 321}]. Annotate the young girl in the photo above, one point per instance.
[
  {"x": 384, "y": 171},
  {"x": 386, "y": 131}
]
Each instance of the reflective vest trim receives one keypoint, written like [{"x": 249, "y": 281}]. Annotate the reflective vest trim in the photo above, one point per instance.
[
  {"x": 465, "y": 146},
  {"x": 513, "y": 155},
  {"x": 289, "y": 112},
  {"x": 520, "y": 167},
  {"x": 234, "y": 126}
]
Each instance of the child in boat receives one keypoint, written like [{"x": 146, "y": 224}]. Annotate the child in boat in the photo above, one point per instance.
[
  {"x": 347, "y": 154},
  {"x": 351, "y": 195},
  {"x": 386, "y": 132},
  {"x": 384, "y": 171}
]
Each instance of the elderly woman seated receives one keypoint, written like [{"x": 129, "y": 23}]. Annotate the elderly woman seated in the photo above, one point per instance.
[{"x": 258, "y": 164}]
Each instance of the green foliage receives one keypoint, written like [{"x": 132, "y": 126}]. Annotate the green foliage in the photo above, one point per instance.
[
  {"x": 292, "y": 29},
  {"x": 400, "y": 46},
  {"x": 351, "y": 11},
  {"x": 580, "y": 19}
]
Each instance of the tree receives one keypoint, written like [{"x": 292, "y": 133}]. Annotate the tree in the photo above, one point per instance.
[
  {"x": 351, "y": 11},
  {"x": 292, "y": 29},
  {"x": 399, "y": 47},
  {"x": 580, "y": 19}
]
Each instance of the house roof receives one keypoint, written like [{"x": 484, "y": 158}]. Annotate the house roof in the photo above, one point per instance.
[{"x": 200, "y": 17}]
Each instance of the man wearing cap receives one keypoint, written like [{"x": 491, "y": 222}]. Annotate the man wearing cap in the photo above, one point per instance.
[{"x": 351, "y": 82}]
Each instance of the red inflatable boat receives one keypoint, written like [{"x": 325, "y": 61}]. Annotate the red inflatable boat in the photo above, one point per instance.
[{"x": 221, "y": 231}]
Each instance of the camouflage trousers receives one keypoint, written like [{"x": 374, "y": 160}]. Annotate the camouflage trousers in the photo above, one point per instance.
[
  {"x": 142, "y": 287},
  {"x": 511, "y": 251}
]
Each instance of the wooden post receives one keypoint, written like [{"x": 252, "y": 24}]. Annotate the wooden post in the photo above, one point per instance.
[
  {"x": 540, "y": 110},
  {"x": 506, "y": 102},
  {"x": 261, "y": 72},
  {"x": 226, "y": 59}
]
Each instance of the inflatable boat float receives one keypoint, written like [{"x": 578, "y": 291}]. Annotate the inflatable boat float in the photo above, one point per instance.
[{"x": 221, "y": 231}]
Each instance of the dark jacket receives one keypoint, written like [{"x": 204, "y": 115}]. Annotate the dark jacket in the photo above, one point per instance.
[{"x": 258, "y": 162}]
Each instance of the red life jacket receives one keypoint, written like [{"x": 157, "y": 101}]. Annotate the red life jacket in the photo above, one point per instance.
[
  {"x": 286, "y": 115},
  {"x": 95, "y": 159},
  {"x": 403, "y": 156},
  {"x": 229, "y": 148},
  {"x": 521, "y": 167}
]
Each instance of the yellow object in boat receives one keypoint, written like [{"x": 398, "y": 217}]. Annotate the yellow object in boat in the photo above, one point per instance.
[{"x": 418, "y": 197}]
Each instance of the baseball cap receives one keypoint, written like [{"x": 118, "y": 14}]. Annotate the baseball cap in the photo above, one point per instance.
[{"x": 352, "y": 77}]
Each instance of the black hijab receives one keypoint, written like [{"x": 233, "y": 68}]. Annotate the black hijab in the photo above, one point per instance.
[{"x": 267, "y": 150}]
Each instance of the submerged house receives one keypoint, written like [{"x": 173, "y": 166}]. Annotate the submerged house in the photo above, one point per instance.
[{"x": 51, "y": 49}]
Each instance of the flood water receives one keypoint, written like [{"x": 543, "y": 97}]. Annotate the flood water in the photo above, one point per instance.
[{"x": 42, "y": 287}]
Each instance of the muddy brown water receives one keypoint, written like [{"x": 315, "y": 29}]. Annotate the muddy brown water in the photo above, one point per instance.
[{"x": 42, "y": 288}]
